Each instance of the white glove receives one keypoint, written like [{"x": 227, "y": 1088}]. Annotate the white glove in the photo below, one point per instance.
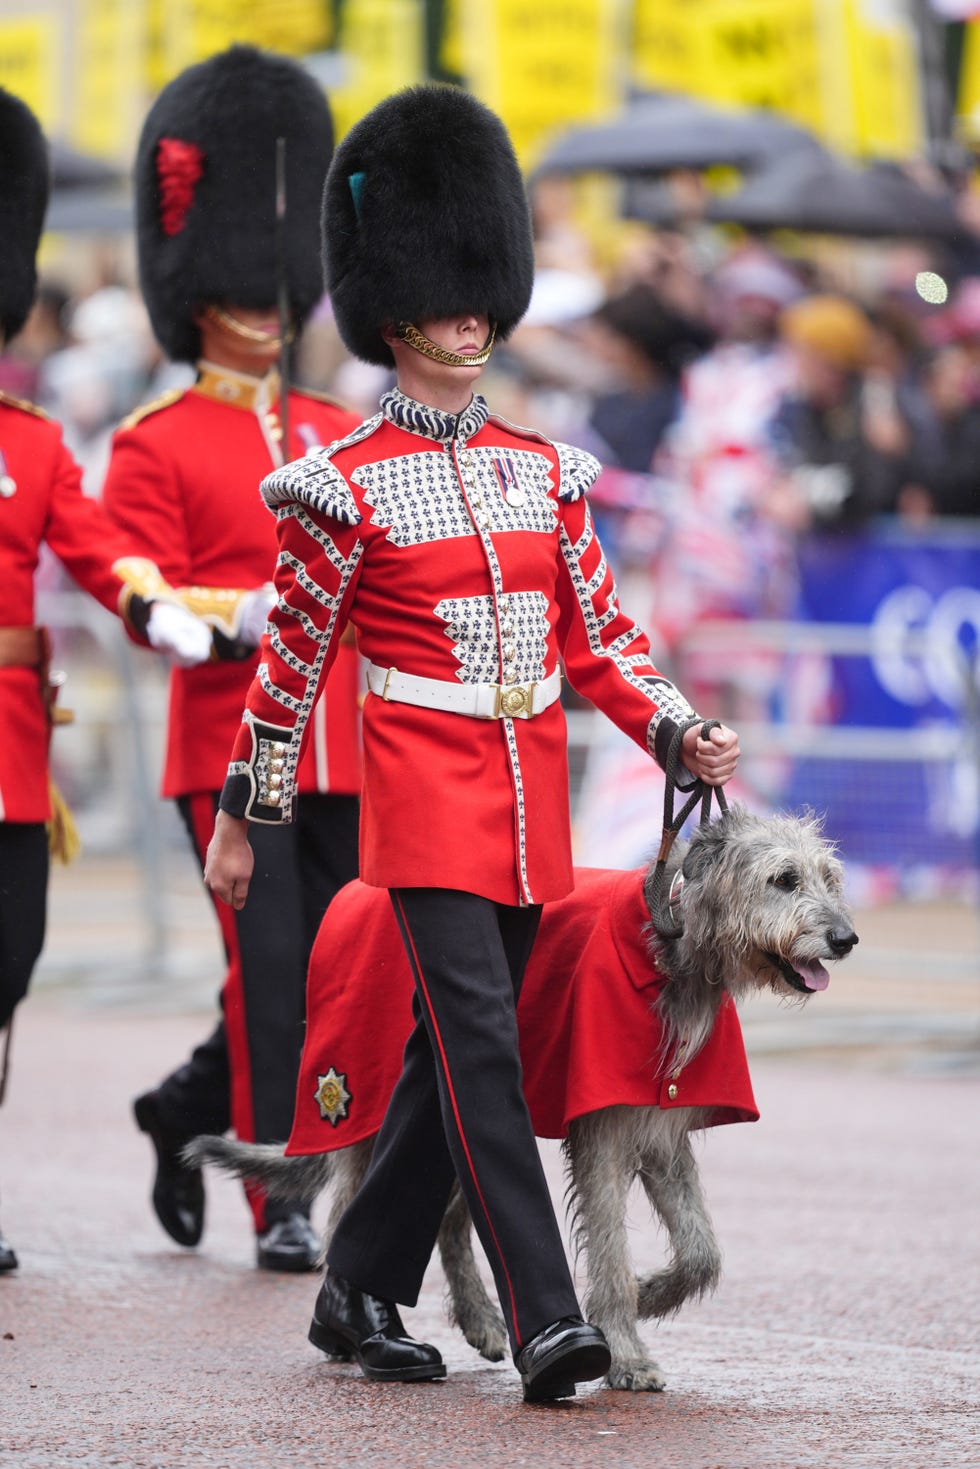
[
  {"x": 255, "y": 609},
  {"x": 184, "y": 638}
]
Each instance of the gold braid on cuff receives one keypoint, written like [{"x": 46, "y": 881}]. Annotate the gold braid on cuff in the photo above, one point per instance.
[{"x": 414, "y": 338}]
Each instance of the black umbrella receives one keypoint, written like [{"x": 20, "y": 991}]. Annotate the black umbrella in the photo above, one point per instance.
[
  {"x": 71, "y": 169},
  {"x": 660, "y": 133},
  {"x": 94, "y": 211},
  {"x": 815, "y": 191}
]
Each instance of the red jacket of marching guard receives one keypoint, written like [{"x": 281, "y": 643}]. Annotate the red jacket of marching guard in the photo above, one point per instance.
[
  {"x": 41, "y": 500},
  {"x": 462, "y": 550},
  {"x": 183, "y": 483}
]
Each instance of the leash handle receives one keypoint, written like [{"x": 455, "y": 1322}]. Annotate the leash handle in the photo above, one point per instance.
[{"x": 700, "y": 792}]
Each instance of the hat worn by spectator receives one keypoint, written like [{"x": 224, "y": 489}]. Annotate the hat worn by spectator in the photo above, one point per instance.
[
  {"x": 24, "y": 186},
  {"x": 206, "y": 192},
  {"x": 830, "y": 326},
  {"x": 425, "y": 217}
]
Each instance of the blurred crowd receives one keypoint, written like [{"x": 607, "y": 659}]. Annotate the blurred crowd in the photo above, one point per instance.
[{"x": 739, "y": 397}]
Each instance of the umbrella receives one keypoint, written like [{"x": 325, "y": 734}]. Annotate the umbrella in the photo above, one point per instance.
[
  {"x": 669, "y": 131},
  {"x": 817, "y": 192},
  {"x": 71, "y": 169},
  {"x": 95, "y": 211}
]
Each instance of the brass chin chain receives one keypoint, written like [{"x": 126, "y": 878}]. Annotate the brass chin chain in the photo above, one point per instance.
[
  {"x": 251, "y": 334},
  {"x": 414, "y": 338}
]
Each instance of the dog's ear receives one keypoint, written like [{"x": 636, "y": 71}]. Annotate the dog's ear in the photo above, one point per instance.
[{"x": 705, "y": 848}]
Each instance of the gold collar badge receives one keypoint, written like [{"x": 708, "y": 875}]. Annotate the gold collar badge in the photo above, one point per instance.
[{"x": 332, "y": 1096}]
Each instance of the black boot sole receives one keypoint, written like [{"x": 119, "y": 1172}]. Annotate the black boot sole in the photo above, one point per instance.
[
  {"x": 557, "y": 1379},
  {"x": 333, "y": 1345}
]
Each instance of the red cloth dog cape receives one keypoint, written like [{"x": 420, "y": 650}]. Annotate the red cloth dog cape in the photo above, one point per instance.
[{"x": 589, "y": 1035}]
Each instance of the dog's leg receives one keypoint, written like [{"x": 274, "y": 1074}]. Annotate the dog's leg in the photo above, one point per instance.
[
  {"x": 673, "y": 1186},
  {"x": 600, "y": 1152},
  {"x": 469, "y": 1306}
]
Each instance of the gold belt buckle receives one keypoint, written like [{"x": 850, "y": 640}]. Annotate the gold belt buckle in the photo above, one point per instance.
[{"x": 513, "y": 701}]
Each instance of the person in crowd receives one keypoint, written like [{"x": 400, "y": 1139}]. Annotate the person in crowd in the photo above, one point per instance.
[
  {"x": 461, "y": 549},
  {"x": 183, "y": 483},
  {"x": 41, "y": 503},
  {"x": 646, "y": 344},
  {"x": 943, "y": 469},
  {"x": 838, "y": 431}
]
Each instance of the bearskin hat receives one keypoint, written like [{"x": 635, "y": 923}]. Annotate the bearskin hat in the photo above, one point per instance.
[
  {"x": 206, "y": 191},
  {"x": 425, "y": 216},
  {"x": 25, "y": 180}
]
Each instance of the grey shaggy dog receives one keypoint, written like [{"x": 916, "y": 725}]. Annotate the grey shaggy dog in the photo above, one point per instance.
[{"x": 759, "y": 904}]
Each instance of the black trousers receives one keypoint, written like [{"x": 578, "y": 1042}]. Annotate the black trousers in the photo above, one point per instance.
[
  {"x": 459, "y": 1110},
  {"x": 243, "y": 1075},
  {"x": 24, "y": 865}
]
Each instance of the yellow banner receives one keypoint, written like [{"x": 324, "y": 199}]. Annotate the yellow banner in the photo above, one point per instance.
[
  {"x": 748, "y": 53},
  {"x": 382, "y": 44},
  {"x": 29, "y": 65},
  {"x": 191, "y": 30},
  {"x": 544, "y": 64},
  {"x": 108, "y": 100},
  {"x": 847, "y": 69},
  {"x": 968, "y": 96},
  {"x": 884, "y": 73}
]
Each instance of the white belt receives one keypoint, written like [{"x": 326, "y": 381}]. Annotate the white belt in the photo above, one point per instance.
[{"x": 478, "y": 700}]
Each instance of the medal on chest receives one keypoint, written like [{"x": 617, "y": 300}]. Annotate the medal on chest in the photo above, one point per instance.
[{"x": 506, "y": 473}]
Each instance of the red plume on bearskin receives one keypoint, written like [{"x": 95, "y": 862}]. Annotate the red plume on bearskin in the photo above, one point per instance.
[
  {"x": 206, "y": 187},
  {"x": 179, "y": 166}
]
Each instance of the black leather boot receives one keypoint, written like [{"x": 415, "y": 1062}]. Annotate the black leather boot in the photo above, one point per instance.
[
  {"x": 347, "y": 1323},
  {"x": 8, "y": 1260},
  {"x": 564, "y": 1353},
  {"x": 178, "y": 1191},
  {"x": 289, "y": 1244}
]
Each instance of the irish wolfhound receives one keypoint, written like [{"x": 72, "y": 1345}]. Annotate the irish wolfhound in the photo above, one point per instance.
[{"x": 754, "y": 903}]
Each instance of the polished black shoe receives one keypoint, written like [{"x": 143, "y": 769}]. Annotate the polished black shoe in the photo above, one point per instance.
[
  {"x": 8, "y": 1260},
  {"x": 564, "y": 1353},
  {"x": 347, "y": 1323},
  {"x": 178, "y": 1191},
  {"x": 288, "y": 1244}
]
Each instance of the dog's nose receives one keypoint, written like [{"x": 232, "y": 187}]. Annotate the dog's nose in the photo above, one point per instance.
[{"x": 841, "y": 940}]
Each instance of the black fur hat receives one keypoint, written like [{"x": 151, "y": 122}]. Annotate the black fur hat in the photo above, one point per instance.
[
  {"x": 25, "y": 180},
  {"x": 206, "y": 191},
  {"x": 424, "y": 216}
]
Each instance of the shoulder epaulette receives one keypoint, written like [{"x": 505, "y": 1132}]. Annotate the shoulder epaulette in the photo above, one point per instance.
[
  {"x": 23, "y": 404},
  {"x": 155, "y": 404},
  {"x": 578, "y": 471},
  {"x": 313, "y": 481}
]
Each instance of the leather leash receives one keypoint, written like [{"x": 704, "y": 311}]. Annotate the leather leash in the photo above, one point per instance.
[{"x": 699, "y": 792}]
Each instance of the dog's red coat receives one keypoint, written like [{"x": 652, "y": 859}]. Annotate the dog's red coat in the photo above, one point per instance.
[{"x": 589, "y": 1034}]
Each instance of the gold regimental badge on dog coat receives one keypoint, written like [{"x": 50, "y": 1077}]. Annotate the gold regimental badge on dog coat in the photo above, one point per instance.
[{"x": 332, "y": 1096}]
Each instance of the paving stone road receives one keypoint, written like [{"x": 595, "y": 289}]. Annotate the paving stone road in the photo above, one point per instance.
[{"x": 844, "y": 1332}]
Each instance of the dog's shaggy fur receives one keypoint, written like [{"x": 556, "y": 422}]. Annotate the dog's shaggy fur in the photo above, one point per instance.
[{"x": 760, "y": 905}]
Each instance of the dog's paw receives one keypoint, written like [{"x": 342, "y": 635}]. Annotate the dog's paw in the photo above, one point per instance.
[
  {"x": 490, "y": 1340},
  {"x": 636, "y": 1374}
]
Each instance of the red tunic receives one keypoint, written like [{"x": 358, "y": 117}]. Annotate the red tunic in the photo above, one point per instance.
[
  {"x": 589, "y": 1034},
  {"x": 183, "y": 483},
  {"x": 462, "y": 550},
  {"x": 41, "y": 500}
]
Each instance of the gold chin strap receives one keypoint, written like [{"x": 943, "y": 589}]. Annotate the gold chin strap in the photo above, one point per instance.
[
  {"x": 237, "y": 328},
  {"x": 414, "y": 338}
]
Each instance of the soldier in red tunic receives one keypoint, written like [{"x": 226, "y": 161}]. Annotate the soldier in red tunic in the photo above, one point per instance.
[
  {"x": 41, "y": 502},
  {"x": 462, "y": 550},
  {"x": 183, "y": 482}
]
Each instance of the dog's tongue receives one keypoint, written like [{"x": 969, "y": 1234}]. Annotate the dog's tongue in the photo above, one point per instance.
[{"x": 814, "y": 975}]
